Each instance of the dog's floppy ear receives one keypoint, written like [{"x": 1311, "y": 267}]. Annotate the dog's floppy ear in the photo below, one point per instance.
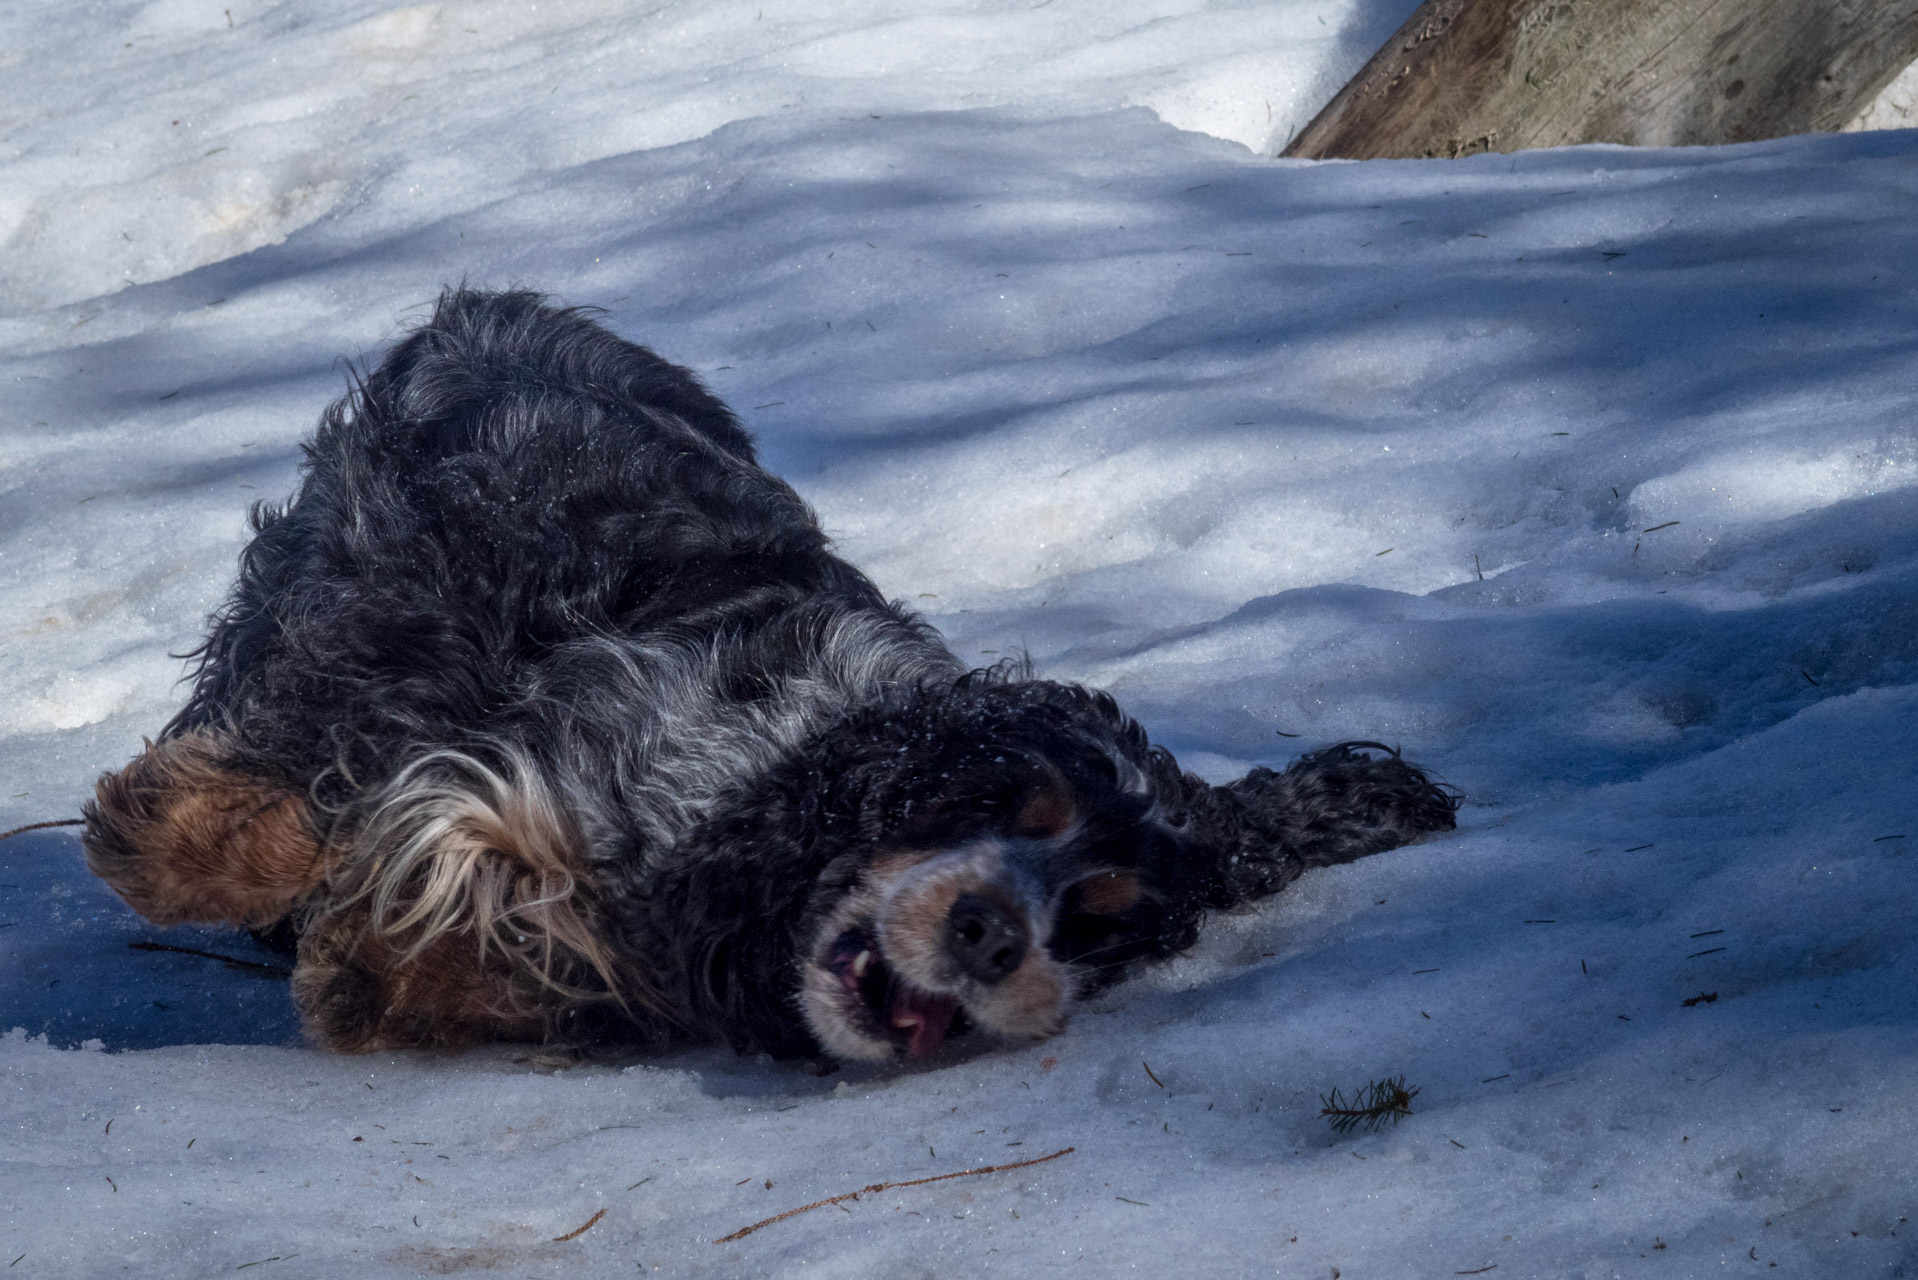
[{"x": 1343, "y": 802}]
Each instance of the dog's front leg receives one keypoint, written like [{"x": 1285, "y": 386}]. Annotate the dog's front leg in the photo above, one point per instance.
[{"x": 1257, "y": 835}]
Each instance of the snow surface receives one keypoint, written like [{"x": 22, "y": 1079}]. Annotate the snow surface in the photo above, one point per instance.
[
  {"x": 1895, "y": 107},
  {"x": 1590, "y": 476}
]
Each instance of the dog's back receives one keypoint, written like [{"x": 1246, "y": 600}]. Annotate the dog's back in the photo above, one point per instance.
[
  {"x": 513, "y": 512},
  {"x": 534, "y": 608}
]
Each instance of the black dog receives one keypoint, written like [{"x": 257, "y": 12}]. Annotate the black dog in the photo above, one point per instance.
[{"x": 542, "y": 712}]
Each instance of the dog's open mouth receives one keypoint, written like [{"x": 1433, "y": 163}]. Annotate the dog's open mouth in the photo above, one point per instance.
[
  {"x": 912, "y": 1018},
  {"x": 921, "y": 952}
]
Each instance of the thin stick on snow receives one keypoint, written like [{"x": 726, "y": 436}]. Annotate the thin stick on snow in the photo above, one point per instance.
[
  {"x": 877, "y": 1187},
  {"x": 35, "y": 826},
  {"x": 231, "y": 962},
  {"x": 579, "y": 1231}
]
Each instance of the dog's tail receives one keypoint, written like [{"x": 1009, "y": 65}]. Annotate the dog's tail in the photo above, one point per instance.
[{"x": 1328, "y": 806}]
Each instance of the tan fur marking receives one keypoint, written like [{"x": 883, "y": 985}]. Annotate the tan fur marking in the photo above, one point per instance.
[
  {"x": 913, "y": 931},
  {"x": 359, "y": 990},
  {"x": 1030, "y": 1002},
  {"x": 1048, "y": 812},
  {"x": 182, "y": 836},
  {"x": 912, "y": 922},
  {"x": 891, "y": 862},
  {"x": 1110, "y": 893}
]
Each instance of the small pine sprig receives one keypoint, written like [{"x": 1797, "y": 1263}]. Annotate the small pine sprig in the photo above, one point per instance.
[{"x": 1370, "y": 1107}]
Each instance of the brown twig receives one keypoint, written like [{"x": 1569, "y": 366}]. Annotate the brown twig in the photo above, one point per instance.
[
  {"x": 579, "y": 1231},
  {"x": 35, "y": 826},
  {"x": 877, "y": 1187},
  {"x": 231, "y": 962},
  {"x": 1150, "y": 1076}
]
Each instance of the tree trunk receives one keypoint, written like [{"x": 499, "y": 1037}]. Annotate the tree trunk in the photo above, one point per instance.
[{"x": 1463, "y": 76}]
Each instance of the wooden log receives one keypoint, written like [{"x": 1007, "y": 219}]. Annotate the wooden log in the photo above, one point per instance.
[{"x": 1463, "y": 76}]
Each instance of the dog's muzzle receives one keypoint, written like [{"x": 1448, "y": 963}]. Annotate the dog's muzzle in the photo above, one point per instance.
[{"x": 930, "y": 943}]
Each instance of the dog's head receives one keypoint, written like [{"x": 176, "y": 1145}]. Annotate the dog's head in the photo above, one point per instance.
[
  {"x": 985, "y": 855},
  {"x": 996, "y": 910}
]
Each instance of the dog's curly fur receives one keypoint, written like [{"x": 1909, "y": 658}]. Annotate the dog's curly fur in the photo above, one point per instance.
[{"x": 543, "y": 712}]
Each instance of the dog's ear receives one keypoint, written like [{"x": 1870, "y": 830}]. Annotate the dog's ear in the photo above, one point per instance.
[{"x": 1257, "y": 835}]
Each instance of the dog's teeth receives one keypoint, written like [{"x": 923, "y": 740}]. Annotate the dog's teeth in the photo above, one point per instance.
[
  {"x": 860, "y": 962},
  {"x": 906, "y": 1021}
]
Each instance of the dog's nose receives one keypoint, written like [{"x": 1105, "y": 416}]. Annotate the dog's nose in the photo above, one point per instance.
[{"x": 987, "y": 940}]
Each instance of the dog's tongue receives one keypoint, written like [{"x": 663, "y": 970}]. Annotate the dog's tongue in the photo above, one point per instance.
[{"x": 924, "y": 1017}]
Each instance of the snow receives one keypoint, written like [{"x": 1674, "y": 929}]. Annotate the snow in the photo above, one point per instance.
[
  {"x": 206, "y": 132},
  {"x": 1589, "y": 476},
  {"x": 1892, "y": 108}
]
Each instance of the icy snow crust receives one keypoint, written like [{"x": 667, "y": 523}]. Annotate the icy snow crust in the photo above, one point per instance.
[{"x": 1588, "y": 476}]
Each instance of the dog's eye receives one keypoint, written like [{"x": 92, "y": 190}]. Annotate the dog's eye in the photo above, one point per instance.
[
  {"x": 1094, "y": 941},
  {"x": 1105, "y": 920}
]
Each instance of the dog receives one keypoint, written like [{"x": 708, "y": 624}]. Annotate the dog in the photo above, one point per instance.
[{"x": 542, "y": 712}]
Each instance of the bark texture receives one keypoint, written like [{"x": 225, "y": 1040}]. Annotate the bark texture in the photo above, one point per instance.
[{"x": 1463, "y": 76}]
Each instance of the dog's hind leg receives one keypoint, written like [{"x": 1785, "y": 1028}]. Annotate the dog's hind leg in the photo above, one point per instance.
[
  {"x": 460, "y": 910},
  {"x": 358, "y": 990},
  {"x": 1328, "y": 806},
  {"x": 184, "y": 833}
]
